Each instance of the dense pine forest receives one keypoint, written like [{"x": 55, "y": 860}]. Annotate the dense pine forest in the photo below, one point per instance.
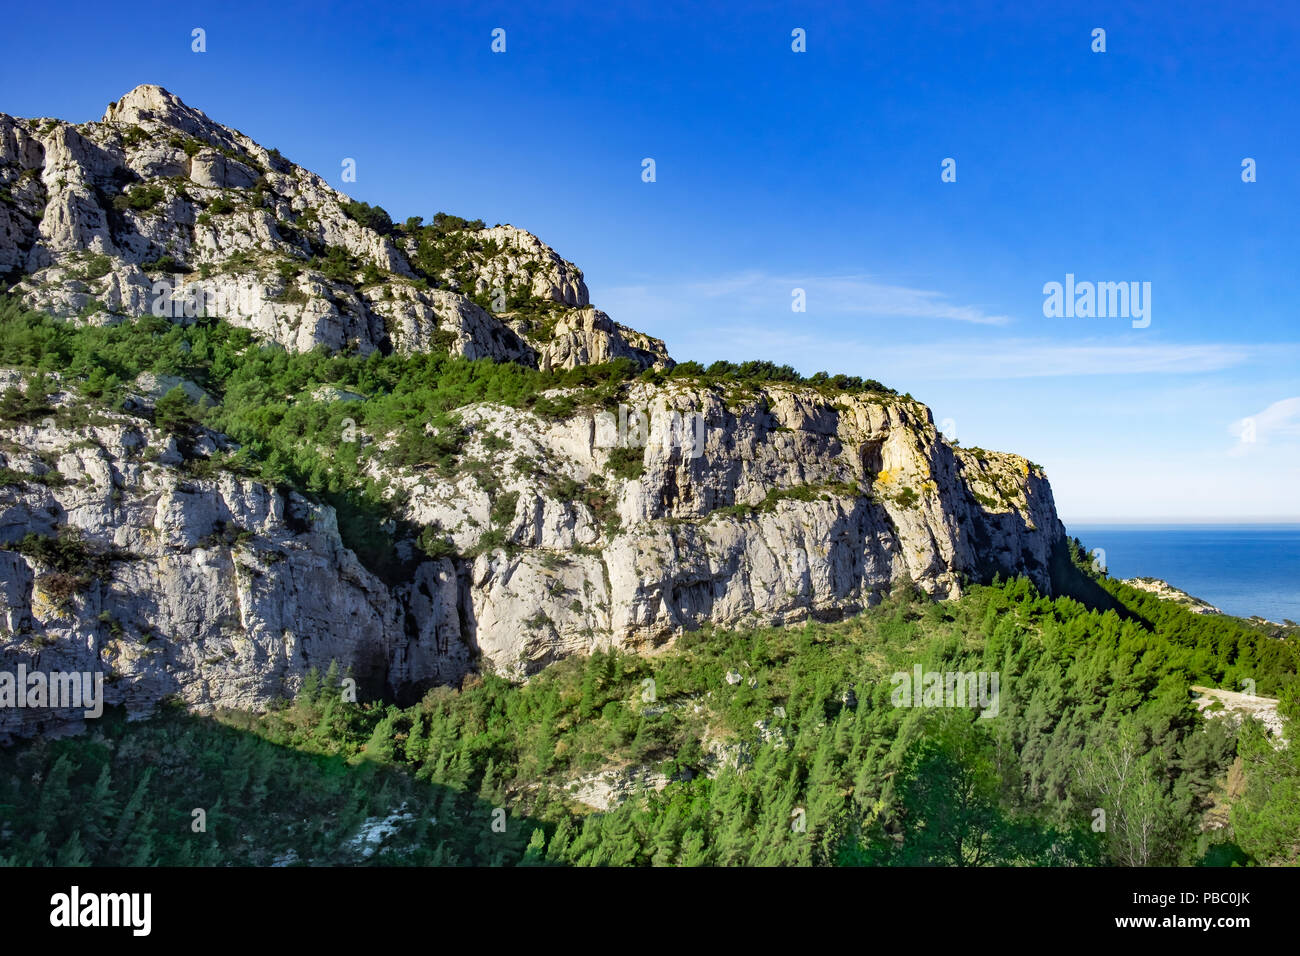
[{"x": 778, "y": 747}]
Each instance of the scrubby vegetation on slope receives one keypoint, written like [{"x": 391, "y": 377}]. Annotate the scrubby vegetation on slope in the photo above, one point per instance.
[
  {"x": 803, "y": 760},
  {"x": 262, "y": 398},
  {"x": 806, "y": 749}
]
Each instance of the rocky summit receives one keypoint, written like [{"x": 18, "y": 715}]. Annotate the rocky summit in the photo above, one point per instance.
[{"x": 684, "y": 499}]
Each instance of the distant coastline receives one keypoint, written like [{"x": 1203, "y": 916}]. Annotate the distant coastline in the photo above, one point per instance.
[
  {"x": 1243, "y": 568},
  {"x": 1179, "y": 522}
]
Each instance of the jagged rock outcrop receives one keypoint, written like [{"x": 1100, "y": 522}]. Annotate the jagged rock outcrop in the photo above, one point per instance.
[
  {"x": 1167, "y": 592},
  {"x": 218, "y": 591},
  {"x": 552, "y": 277},
  {"x": 96, "y": 218},
  {"x": 691, "y": 503},
  {"x": 590, "y": 337},
  {"x": 796, "y": 505}
]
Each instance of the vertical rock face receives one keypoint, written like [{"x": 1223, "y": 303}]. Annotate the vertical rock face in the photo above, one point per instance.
[
  {"x": 762, "y": 503},
  {"x": 797, "y": 505},
  {"x": 219, "y": 592}
]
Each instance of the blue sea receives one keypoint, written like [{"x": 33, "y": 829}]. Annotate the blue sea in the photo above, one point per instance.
[{"x": 1240, "y": 569}]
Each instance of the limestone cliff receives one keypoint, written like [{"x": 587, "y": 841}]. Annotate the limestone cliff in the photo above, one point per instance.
[{"x": 767, "y": 503}]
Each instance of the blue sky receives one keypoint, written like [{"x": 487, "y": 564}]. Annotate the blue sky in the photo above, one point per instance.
[{"x": 821, "y": 171}]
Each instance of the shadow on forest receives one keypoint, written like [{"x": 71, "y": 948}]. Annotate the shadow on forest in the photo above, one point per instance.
[
  {"x": 179, "y": 789},
  {"x": 1069, "y": 580}
]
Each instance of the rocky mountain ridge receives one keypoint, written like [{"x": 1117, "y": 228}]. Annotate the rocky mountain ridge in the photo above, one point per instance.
[
  {"x": 691, "y": 503},
  {"x": 93, "y": 217}
]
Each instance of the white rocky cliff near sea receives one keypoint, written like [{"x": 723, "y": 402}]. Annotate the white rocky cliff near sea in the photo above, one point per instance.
[{"x": 222, "y": 592}]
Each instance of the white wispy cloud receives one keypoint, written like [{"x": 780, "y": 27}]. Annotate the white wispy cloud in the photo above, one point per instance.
[
  {"x": 1004, "y": 358},
  {"x": 747, "y": 315},
  {"x": 762, "y": 293},
  {"x": 1031, "y": 358},
  {"x": 1281, "y": 420}
]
